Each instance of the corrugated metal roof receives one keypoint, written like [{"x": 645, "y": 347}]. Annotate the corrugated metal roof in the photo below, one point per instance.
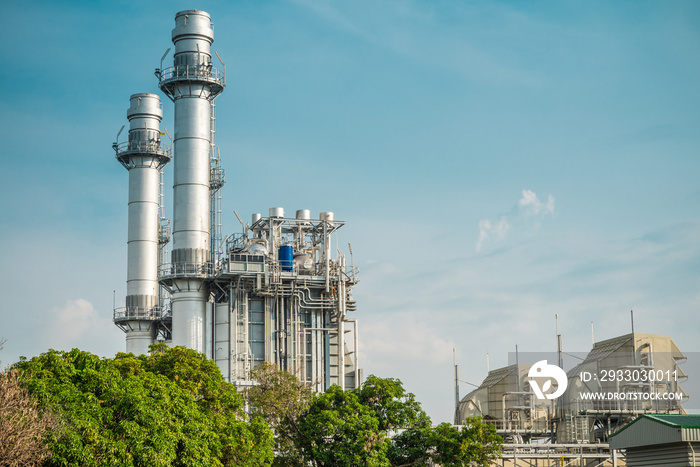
[
  {"x": 496, "y": 376},
  {"x": 682, "y": 421},
  {"x": 600, "y": 351}
]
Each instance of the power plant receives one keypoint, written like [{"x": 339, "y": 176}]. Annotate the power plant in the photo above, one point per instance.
[
  {"x": 276, "y": 292},
  {"x": 574, "y": 427},
  {"x": 280, "y": 291}
]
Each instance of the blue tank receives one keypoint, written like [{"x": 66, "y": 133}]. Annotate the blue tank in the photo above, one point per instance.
[{"x": 286, "y": 256}]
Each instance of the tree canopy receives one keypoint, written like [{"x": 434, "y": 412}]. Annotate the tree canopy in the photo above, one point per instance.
[
  {"x": 280, "y": 399},
  {"x": 173, "y": 408},
  {"x": 381, "y": 424},
  {"x": 169, "y": 408}
]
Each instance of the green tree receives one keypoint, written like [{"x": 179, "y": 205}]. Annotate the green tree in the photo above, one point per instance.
[
  {"x": 338, "y": 430},
  {"x": 392, "y": 405},
  {"x": 475, "y": 444},
  {"x": 280, "y": 398},
  {"x": 380, "y": 424},
  {"x": 170, "y": 408},
  {"x": 480, "y": 443}
]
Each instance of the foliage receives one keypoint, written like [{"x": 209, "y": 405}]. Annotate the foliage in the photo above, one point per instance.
[
  {"x": 391, "y": 404},
  {"x": 381, "y": 424},
  {"x": 170, "y": 408},
  {"x": 173, "y": 408},
  {"x": 338, "y": 430},
  {"x": 280, "y": 398},
  {"x": 475, "y": 444},
  {"x": 23, "y": 424},
  {"x": 480, "y": 443}
]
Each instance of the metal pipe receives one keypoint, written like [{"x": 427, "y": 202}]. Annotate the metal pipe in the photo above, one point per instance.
[
  {"x": 690, "y": 445},
  {"x": 454, "y": 362},
  {"x": 358, "y": 383},
  {"x": 341, "y": 353}
]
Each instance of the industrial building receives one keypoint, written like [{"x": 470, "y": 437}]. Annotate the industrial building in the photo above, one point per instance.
[
  {"x": 590, "y": 421},
  {"x": 275, "y": 292},
  {"x": 654, "y": 440},
  {"x": 504, "y": 400},
  {"x": 570, "y": 426}
]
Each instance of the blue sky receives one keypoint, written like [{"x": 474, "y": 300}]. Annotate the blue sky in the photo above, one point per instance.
[{"x": 496, "y": 163}]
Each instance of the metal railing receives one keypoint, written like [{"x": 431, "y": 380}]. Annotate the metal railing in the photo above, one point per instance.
[
  {"x": 515, "y": 425},
  {"x": 170, "y": 270},
  {"x": 138, "y": 313},
  {"x": 192, "y": 72},
  {"x": 142, "y": 147}
]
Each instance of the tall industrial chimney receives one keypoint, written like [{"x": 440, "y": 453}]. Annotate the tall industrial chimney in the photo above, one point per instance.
[
  {"x": 143, "y": 157},
  {"x": 192, "y": 83}
]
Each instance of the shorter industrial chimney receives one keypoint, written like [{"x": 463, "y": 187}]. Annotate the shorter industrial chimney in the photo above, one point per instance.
[{"x": 144, "y": 157}]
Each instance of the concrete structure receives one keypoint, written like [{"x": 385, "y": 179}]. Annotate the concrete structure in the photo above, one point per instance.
[{"x": 276, "y": 292}]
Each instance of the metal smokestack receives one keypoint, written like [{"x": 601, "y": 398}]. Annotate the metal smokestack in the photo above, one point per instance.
[
  {"x": 143, "y": 157},
  {"x": 192, "y": 83}
]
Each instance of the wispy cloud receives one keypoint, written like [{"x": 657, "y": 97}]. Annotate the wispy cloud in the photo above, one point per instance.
[
  {"x": 491, "y": 231},
  {"x": 529, "y": 206},
  {"x": 77, "y": 323}
]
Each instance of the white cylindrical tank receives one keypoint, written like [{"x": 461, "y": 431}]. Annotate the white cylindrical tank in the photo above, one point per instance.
[{"x": 277, "y": 213}]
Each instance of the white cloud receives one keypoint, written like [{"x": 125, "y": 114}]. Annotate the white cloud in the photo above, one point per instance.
[
  {"x": 491, "y": 231},
  {"x": 529, "y": 205},
  {"x": 74, "y": 319},
  {"x": 77, "y": 324}
]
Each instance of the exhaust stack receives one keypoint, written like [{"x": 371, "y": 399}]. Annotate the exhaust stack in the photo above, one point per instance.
[
  {"x": 192, "y": 84},
  {"x": 143, "y": 156}
]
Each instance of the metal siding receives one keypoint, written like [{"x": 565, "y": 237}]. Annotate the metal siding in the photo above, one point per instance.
[
  {"x": 645, "y": 432},
  {"x": 690, "y": 434},
  {"x": 673, "y": 455}
]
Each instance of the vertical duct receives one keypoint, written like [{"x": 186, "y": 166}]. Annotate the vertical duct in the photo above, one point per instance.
[
  {"x": 143, "y": 157},
  {"x": 192, "y": 83}
]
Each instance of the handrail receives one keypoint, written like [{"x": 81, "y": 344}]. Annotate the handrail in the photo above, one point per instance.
[
  {"x": 136, "y": 147},
  {"x": 198, "y": 72},
  {"x": 137, "y": 313},
  {"x": 169, "y": 270}
]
